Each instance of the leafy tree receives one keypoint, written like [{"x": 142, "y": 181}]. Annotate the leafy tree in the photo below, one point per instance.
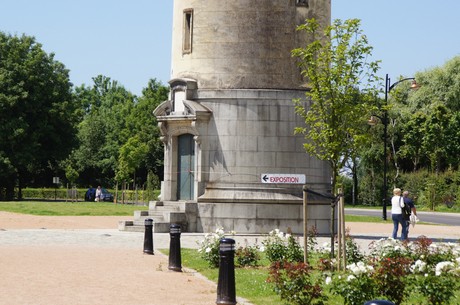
[
  {"x": 341, "y": 86},
  {"x": 413, "y": 145},
  {"x": 438, "y": 84},
  {"x": 144, "y": 123},
  {"x": 118, "y": 132},
  {"x": 453, "y": 142},
  {"x": 142, "y": 154},
  {"x": 37, "y": 113},
  {"x": 438, "y": 95},
  {"x": 436, "y": 135},
  {"x": 71, "y": 174},
  {"x": 132, "y": 154},
  {"x": 103, "y": 129}
]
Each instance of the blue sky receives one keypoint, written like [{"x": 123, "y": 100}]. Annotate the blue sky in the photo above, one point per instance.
[{"x": 130, "y": 41}]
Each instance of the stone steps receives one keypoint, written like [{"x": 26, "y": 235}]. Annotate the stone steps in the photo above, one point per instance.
[{"x": 163, "y": 215}]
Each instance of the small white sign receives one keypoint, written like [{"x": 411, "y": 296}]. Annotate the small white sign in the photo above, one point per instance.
[
  {"x": 56, "y": 180},
  {"x": 283, "y": 178}
]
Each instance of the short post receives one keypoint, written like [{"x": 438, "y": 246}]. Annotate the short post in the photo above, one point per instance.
[
  {"x": 148, "y": 236},
  {"x": 379, "y": 302},
  {"x": 174, "y": 248},
  {"x": 305, "y": 225},
  {"x": 226, "y": 283}
]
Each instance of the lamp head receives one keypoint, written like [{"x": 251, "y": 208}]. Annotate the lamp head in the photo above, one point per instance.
[{"x": 414, "y": 85}]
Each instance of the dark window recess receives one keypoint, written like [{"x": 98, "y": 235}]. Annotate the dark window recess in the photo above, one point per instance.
[
  {"x": 301, "y": 2},
  {"x": 188, "y": 30}
]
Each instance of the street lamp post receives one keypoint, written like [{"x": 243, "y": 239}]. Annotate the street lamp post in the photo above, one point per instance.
[{"x": 384, "y": 119}]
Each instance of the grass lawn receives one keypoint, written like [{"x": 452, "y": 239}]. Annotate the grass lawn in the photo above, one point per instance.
[
  {"x": 85, "y": 208},
  {"x": 60, "y": 208},
  {"x": 438, "y": 208},
  {"x": 359, "y": 218}
]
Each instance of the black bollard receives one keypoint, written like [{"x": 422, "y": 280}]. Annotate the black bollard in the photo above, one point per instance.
[
  {"x": 174, "y": 248},
  {"x": 226, "y": 282},
  {"x": 379, "y": 302},
  {"x": 148, "y": 236}
]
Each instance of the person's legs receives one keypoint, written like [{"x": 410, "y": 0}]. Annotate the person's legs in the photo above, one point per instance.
[
  {"x": 405, "y": 229},
  {"x": 395, "y": 219}
]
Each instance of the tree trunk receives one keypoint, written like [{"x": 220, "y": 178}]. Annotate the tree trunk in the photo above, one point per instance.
[{"x": 332, "y": 220}]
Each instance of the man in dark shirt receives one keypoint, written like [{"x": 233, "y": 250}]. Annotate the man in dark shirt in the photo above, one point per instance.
[{"x": 410, "y": 203}]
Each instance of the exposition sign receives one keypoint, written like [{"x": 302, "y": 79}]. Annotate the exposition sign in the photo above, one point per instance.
[{"x": 283, "y": 178}]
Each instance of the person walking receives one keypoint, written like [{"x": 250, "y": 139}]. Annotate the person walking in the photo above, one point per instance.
[
  {"x": 409, "y": 202},
  {"x": 397, "y": 202},
  {"x": 98, "y": 193}
]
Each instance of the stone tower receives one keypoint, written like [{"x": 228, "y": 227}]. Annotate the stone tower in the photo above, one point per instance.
[{"x": 230, "y": 118}]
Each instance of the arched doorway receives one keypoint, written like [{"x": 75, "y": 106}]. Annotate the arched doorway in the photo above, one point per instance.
[{"x": 186, "y": 167}]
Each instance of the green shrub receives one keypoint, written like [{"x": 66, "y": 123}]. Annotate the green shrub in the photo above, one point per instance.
[
  {"x": 247, "y": 256},
  {"x": 209, "y": 247},
  {"x": 280, "y": 247},
  {"x": 356, "y": 286},
  {"x": 431, "y": 190},
  {"x": 296, "y": 283}
]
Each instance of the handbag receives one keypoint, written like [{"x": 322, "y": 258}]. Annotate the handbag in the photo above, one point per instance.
[{"x": 405, "y": 210}]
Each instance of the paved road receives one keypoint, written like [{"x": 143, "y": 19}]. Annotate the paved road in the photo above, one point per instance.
[{"x": 450, "y": 219}]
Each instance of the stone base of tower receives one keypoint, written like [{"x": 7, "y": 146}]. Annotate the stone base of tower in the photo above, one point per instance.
[
  {"x": 241, "y": 217},
  {"x": 243, "y": 208},
  {"x": 261, "y": 218},
  {"x": 259, "y": 209}
]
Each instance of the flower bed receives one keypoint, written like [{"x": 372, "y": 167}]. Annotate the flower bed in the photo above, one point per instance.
[{"x": 418, "y": 272}]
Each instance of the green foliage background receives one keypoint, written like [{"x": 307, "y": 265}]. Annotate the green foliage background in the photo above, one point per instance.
[{"x": 100, "y": 134}]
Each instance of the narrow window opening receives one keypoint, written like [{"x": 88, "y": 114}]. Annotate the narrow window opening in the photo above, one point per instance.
[
  {"x": 302, "y": 3},
  {"x": 188, "y": 29}
]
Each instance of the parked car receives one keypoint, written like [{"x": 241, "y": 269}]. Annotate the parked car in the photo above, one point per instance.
[{"x": 90, "y": 195}]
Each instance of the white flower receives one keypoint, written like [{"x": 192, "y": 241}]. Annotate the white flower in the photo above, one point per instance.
[
  {"x": 328, "y": 280},
  {"x": 418, "y": 266},
  {"x": 360, "y": 268},
  {"x": 208, "y": 250},
  {"x": 432, "y": 248},
  {"x": 444, "y": 267},
  {"x": 325, "y": 247},
  {"x": 262, "y": 249},
  {"x": 351, "y": 277}
]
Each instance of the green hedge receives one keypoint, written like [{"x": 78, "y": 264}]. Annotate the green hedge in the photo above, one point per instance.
[
  {"x": 65, "y": 194},
  {"x": 432, "y": 190}
]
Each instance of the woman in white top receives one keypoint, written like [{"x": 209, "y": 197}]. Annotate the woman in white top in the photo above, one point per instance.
[
  {"x": 396, "y": 214},
  {"x": 98, "y": 193}
]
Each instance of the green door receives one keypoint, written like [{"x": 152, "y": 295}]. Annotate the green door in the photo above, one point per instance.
[{"x": 186, "y": 166}]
